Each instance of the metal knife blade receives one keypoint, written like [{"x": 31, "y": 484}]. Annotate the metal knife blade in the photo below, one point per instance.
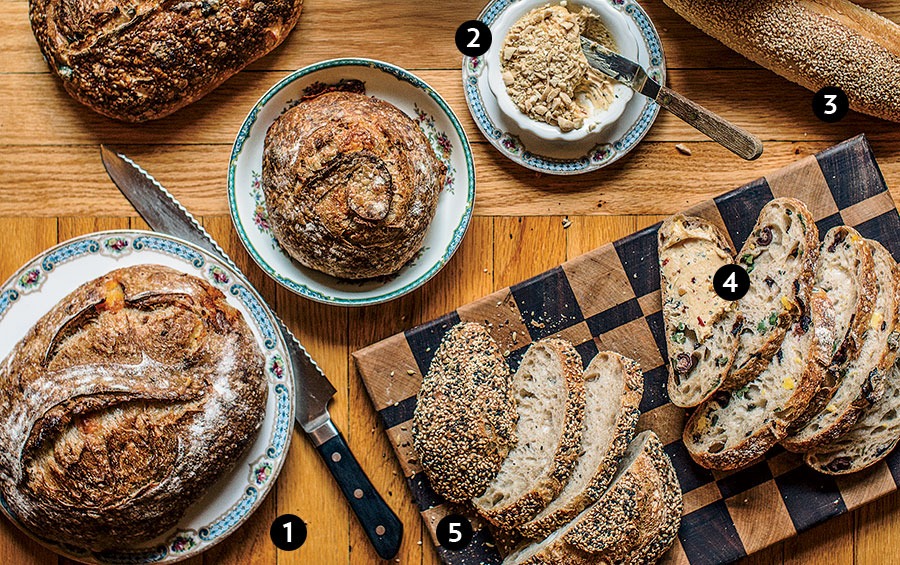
[
  {"x": 618, "y": 67},
  {"x": 164, "y": 213}
]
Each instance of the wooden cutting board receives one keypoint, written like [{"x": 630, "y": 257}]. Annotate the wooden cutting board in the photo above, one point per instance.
[{"x": 609, "y": 299}]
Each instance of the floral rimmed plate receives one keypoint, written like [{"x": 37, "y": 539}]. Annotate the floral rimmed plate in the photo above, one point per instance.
[
  {"x": 421, "y": 103},
  {"x": 49, "y": 277},
  {"x": 567, "y": 158}
]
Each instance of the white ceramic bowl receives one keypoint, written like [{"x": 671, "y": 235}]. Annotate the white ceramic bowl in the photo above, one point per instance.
[{"x": 626, "y": 43}]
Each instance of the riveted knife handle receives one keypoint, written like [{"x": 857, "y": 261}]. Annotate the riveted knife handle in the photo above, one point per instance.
[
  {"x": 381, "y": 525},
  {"x": 737, "y": 140}
]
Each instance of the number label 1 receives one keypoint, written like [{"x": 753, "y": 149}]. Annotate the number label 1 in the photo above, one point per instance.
[{"x": 288, "y": 532}]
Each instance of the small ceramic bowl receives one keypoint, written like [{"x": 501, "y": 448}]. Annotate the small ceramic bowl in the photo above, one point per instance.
[{"x": 626, "y": 43}]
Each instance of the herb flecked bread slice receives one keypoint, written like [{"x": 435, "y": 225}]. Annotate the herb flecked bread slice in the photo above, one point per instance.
[
  {"x": 701, "y": 327},
  {"x": 465, "y": 416},
  {"x": 613, "y": 388},
  {"x": 780, "y": 256},
  {"x": 732, "y": 430},
  {"x": 549, "y": 393},
  {"x": 869, "y": 441},
  {"x": 860, "y": 380},
  {"x": 635, "y": 521}
]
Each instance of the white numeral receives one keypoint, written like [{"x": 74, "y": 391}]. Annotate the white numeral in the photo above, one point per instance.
[
  {"x": 287, "y": 526},
  {"x": 731, "y": 283},
  {"x": 476, "y": 34},
  {"x": 455, "y": 534},
  {"x": 830, "y": 106}
]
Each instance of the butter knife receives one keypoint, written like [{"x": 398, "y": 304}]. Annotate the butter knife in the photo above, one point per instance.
[
  {"x": 737, "y": 140},
  {"x": 163, "y": 213}
]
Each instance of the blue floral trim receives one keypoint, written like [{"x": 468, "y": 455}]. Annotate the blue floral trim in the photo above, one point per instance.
[
  {"x": 259, "y": 313},
  {"x": 67, "y": 252},
  {"x": 8, "y": 296},
  {"x": 283, "y": 423},
  {"x": 170, "y": 247},
  {"x": 232, "y": 517}
]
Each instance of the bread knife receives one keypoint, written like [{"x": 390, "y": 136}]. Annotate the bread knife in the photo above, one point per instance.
[
  {"x": 737, "y": 140},
  {"x": 163, "y": 213}
]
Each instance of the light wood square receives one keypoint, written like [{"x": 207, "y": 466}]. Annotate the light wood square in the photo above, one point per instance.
[{"x": 598, "y": 281}]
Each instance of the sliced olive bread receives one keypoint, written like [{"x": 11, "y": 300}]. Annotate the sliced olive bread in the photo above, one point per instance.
[
  {"x": 464, "y": 421},
  {"x": 548, "y": 389},
  {"x": 860, "y": 380},
  {"x": 635, "y": 520},
  {"x": 780, "y": 256},
  {"x": 701, "y": 327},
  {"x": 734, "y": 429},
  {"x": 613, "y": 388}
]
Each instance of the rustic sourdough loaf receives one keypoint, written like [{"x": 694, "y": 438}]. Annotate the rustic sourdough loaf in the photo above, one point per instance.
[
  {"x": 464, "y": 422},
  {"x": 137, "y": 61},
  {"x": 635, "y": 521},
  {"x": 860, "y": 380},
  {"x": 124, "y": 404},
  {"x": 780, "y": 256},
  {"x": 701, "y": 327},
  {"x": 549, "y": 393},
  {"x": 734, "y": 429},
  {"x": 613, "y": 388}
]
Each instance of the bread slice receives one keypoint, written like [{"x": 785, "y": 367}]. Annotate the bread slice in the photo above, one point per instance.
[
  {"x": 860, "y": 380},
  {"x": 613, "y": 388},
  {"x": 780, "y": 256},
  {"x": 549, "y": 392},
  {"x": 464, "y": 421},
  {"x": 732, "y": 430},
  {"x": 635, "y": 521},
  {"x": 701, "y": 327},
  {"x": 869, "y": 441}
]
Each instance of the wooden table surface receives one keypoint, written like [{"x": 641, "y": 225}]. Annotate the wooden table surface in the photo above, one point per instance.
[{"x": 53, "y": 187}]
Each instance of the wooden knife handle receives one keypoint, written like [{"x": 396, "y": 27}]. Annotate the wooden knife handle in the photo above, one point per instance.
[{"x": 737, "y": 140}]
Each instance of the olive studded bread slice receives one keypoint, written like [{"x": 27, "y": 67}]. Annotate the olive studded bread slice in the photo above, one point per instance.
[
  {"x": 700, "y": 326},
  {"x": 464, "y": 421},
  {"x": 548, "y": 389},
  {"x": 860, "y": 380},
  {"x": 732, "y": 430},
  {"x": 869, "y": 441},
  {"x": 613, "y": 388},
  {"x": 780, "y": 256},
  {"x": 635, "y": 521}
]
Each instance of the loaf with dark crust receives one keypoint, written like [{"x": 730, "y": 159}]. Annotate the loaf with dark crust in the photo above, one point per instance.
[
  {"x": 351, "y": 184},
  {"x": 123, "y": 404},
  {"x": 140, "y": 60}
]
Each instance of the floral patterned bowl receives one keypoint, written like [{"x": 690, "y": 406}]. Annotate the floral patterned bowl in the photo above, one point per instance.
[{"x": 440, "y": 125}]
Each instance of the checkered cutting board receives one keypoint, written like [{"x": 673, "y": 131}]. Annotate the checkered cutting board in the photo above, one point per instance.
[{"x": 609, "y": 299}]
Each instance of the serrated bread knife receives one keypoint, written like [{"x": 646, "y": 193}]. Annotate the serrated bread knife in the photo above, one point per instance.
[
  {"x": 737, "y": 140},
  {"x": 313, "y": 391}
]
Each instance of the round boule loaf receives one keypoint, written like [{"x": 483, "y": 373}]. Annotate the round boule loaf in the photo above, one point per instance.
[{"x": 351, "y": 184}]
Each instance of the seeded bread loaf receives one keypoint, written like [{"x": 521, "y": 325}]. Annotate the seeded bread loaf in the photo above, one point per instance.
[
  {"x": 548, "y": 389},
  {"x": 732, "y": 430},
  {"x": 465, "y": 416},
  {"x": 140, "y": 60},
  {"x": 123, "y": 405},
  {"x": 861, "y": 380},
  {"x": 635, "y": 521},
  {"x": 780, "y": 256},
  {"x": 613, "y": 388},
  {"x": 701, "y": 327}
]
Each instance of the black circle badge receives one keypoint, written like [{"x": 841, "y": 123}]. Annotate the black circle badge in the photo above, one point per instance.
[
  {"x": 830, "y": 104},
  {"x": 473, "y": 38},
  {"x": 288, "y": 532},
  {"x": 731, "y": 282},
  {"x": 454, "y": 532}
]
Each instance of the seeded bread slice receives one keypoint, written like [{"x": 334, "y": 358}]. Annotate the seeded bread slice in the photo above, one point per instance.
[
  {"x": 463, "y": 425},
  {"x": 613, "y": 388},
  {"x": 869, "y": 441},
  {"x": 860, "y": 380},
  {"x": 732, "y": 430},
  {"x": 635, "y": 521},
  {"x": 701, "y": 327},
  {"x": 549, "y": 392},
  {"x": 780, "y": 256}
]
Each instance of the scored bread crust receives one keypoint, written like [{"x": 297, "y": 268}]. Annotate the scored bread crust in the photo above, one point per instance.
[
  {"x": 755, "y": 442},
  {"x": 464, "y": 421},
  {"x": 693, "y": 333},
  {"x": 793, "y": 300},
  {"x": 625, "y": 423},
  {"x": 635, "y": 521},
  {"x": 871, "y": 388},
  {"x": 552, "y": 479}
]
